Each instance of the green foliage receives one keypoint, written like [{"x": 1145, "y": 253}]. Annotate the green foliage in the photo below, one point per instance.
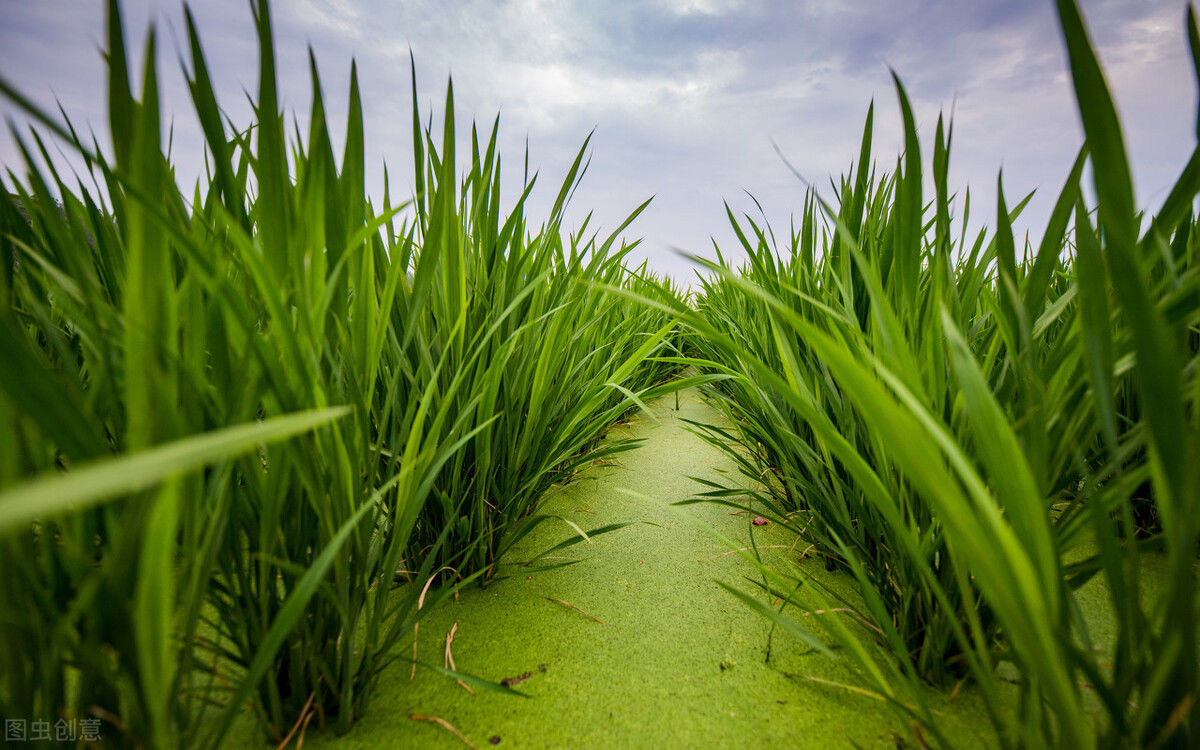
[
  {"x": 254, "y": 432},
  {"x": 379, "y": 399},
  {"x": 973, "y": 435}
]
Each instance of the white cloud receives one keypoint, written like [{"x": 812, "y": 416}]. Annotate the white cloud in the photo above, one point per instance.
[
  {"x": 702, "y": 7},
  {"x": 339, "y": 16},
  {"x": 686, "y": 95}
]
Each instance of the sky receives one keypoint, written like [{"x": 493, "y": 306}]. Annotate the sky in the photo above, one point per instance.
[{"x": 688, "y": 99}]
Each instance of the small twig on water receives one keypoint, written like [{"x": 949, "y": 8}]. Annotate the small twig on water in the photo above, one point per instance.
[
  {"x": 743, "y": 549},
  {"x": 445, "y": 725},
  {"x": 421, "y": 603},
  {"x": 450, "y": 657},
  {"x": 577, "y": 609}
]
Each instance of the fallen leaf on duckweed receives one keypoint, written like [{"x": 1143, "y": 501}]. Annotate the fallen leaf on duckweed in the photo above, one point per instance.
[{"x": 510, "y": 681}]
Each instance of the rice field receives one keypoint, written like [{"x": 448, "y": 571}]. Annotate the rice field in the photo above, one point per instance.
[{"x": 880, "y": 479}]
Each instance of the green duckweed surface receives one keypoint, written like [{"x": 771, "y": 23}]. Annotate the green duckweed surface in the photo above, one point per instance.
[{"x": 679, "y": 661}]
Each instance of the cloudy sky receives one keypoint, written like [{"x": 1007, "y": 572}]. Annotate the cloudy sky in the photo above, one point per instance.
[{"x": 686, "y": 97}]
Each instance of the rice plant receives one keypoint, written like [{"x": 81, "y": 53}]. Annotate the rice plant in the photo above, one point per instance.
[
  {"x": 380, "y": 396},
  {"x": 973, "y": 435},
  {"x": 553, "y": 358}
]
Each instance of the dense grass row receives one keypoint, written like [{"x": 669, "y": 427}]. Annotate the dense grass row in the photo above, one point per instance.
[
  {"x": 973, "y": 432},
  {"x": 377, "y": 397}
]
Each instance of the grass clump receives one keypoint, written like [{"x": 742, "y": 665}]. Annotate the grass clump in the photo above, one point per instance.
[
  {"x": 972, "y": 434},
  {"x": 271, "y": 400}
]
